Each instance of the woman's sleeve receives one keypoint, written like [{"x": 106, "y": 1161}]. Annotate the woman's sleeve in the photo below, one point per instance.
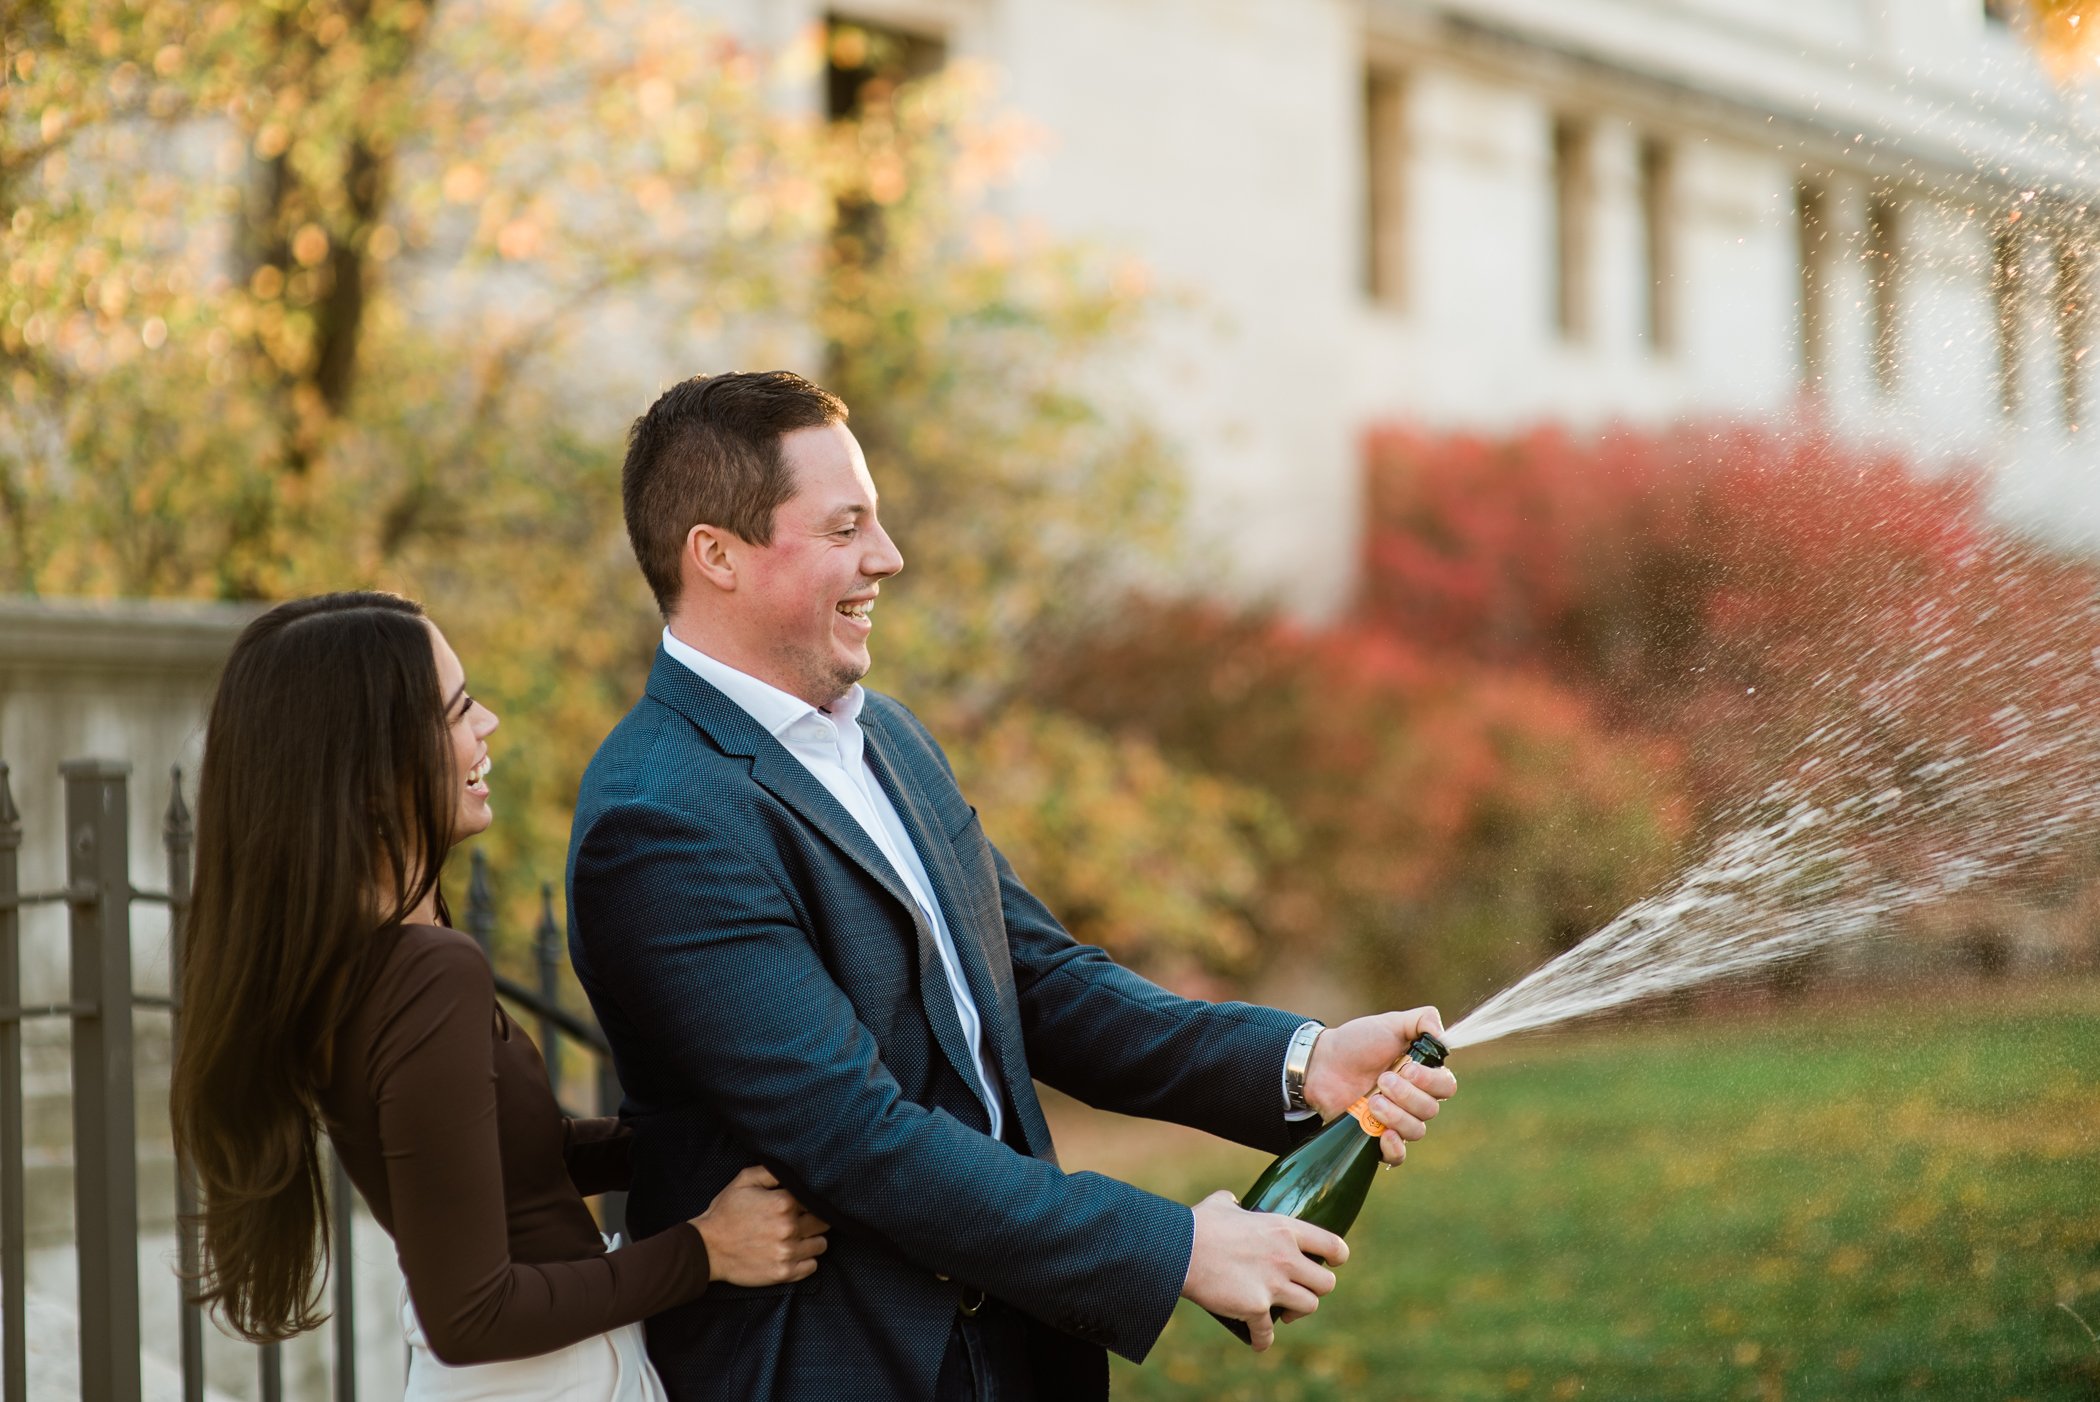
[
  {"x": 433, "y": 1076},
  {"x": 596, "y": 1153}
]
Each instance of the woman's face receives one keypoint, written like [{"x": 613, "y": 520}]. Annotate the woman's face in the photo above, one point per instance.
[{"x": 467, "y": 725}]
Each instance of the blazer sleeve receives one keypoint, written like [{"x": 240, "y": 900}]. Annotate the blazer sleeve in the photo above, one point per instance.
[
  {"x": 1120, "y": 1042},
  {"x": 434, "y": 1081},
  {"x": 698, "y": 940}
]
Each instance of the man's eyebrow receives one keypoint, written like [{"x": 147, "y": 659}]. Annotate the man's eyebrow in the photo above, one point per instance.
[{"x": 847, "y": 509}]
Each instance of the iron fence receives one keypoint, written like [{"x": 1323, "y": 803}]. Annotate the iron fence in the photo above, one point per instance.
[{"x": 101, "y": 1005}]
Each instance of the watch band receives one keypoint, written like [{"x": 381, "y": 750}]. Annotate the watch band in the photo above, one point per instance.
[{"x": 1295, "y": 1062}]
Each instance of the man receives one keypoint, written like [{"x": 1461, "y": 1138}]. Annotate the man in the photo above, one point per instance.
[{"x": 805, "y": 952}]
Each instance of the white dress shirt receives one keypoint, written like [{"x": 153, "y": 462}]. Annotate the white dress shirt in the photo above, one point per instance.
[{"x": 830, "y": 746}]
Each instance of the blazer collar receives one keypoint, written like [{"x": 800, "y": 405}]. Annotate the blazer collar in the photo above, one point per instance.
[
  {"x": 728, "y": 726},
  {"x": 734, "y": 731}
]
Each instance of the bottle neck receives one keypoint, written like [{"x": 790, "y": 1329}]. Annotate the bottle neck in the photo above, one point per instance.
[
  {"x": 1427, "y": 1050},
  {"x": 1361, "y": 1111}
]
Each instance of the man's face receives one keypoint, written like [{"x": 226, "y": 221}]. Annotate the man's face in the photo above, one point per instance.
[{"x": 813, "y": 588}]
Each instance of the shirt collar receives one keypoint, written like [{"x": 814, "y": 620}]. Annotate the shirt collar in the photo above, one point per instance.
[{"x": 765, "y": 703}]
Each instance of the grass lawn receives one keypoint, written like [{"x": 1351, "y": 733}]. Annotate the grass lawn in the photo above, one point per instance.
[{"x": 1833, "y": 1202}]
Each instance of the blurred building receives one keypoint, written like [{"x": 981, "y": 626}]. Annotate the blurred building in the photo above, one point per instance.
[{"x": 1487, "y": 213}]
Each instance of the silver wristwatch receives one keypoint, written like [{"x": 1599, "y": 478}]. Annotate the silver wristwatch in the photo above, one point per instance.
[{"x": 1295, "y": 1062}]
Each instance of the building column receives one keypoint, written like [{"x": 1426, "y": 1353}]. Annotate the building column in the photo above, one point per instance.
[{"x": 1844, "y": 311}]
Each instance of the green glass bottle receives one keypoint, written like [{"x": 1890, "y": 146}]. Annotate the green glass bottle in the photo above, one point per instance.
[{"x": 1323, "y": 1180}]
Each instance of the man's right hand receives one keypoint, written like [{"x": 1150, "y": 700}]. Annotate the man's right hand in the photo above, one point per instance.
[{"x": 1245, "y": 1262}]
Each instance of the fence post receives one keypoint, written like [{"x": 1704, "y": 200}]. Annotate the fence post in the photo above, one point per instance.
[
  {"x": 269, "y": 1372},
  {"x": 14, "y": 1245},
  {"x": 177, "y": 834},
  {"x": 547, "y": 944},
  {"x": 481, "y": 906},
  {"x": 612, "y": 1207},
  {"x": 340, "y": 1210},
  {"x": 105, "y": 1167}
]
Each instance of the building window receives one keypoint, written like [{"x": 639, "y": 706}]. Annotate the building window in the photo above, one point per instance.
[
  {"x": 2008, "y": 289},
  {"x": 865, "y": 65},
  {"x": 2074, "y": 275},
  {"x": 1812, "y": 231},
  {"x": 1658, "y": 244},
  {"x": 1385, "y": 188},
  {"x": 1884, "y": 270},
  {"x": 1573, "y": 197}
]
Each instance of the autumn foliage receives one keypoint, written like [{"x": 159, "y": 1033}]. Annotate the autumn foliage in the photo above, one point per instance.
[
  {"x": 1731, "y": 587},
  {"x": 332, "y": 293},
  {"x": 323, "y": 294},
  {"x": 1573, "y": 658}
]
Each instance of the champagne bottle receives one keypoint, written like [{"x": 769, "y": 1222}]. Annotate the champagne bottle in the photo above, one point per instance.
[{"x": 1323, "y": 1180}]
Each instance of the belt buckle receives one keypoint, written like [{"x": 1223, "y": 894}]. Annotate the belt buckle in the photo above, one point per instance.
[{"x": 969, "y": 1300}]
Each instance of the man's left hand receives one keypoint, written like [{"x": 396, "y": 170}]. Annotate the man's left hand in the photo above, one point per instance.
[{"x": 1353, "y": 1058}]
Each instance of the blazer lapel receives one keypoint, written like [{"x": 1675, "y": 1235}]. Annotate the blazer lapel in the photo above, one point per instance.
[
  {"x": 993, "y": 994},
  {"x": 784, "y": 777},
  {"x": 734, "y": 732}
]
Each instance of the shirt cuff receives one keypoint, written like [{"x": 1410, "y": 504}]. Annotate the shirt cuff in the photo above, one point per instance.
[{"x": 1300, "y": 1048}]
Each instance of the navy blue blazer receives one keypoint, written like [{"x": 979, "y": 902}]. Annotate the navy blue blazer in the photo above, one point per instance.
[{"x": 772, "y": 993}]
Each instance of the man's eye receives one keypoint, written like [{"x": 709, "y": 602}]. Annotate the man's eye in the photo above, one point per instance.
[{"x": 847, "y": 531}]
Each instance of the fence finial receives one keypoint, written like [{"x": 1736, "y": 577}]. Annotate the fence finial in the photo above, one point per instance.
[{"x": 175, "y": 824}]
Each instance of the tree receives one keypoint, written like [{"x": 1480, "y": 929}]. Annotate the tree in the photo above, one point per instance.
[{"x": 323, "y": 293}]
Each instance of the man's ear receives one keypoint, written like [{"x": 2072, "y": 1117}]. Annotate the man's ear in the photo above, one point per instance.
[{"x": 710, "y": 556}]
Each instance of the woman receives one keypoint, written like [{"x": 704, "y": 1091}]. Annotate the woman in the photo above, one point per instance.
[{"x": 322, "y": 988}]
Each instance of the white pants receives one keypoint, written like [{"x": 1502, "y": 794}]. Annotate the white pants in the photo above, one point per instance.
[{"x": 610, "y": 1367}]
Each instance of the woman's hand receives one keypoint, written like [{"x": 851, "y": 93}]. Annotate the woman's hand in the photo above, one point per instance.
[{"x": 757, "y": 1234}]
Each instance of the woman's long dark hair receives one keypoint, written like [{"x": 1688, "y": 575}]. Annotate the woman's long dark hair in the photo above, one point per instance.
[{"x": 325, "y": 804}]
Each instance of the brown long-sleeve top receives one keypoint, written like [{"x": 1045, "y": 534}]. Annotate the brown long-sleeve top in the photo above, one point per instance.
[{"x": 442, "y": 1115}]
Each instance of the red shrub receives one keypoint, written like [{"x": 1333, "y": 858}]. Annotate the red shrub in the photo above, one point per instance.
[
  {"x": 1568, "y": 650},
  {"x": 1450, "y": 817},
  {"x": 1681, "y": 579},
  {"x": 1779, "y": 606}
]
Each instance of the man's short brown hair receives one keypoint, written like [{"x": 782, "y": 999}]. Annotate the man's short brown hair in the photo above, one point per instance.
[{"x": 708, "y": 453}]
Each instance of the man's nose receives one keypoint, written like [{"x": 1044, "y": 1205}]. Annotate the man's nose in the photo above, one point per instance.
[{"x": 885, "y": 559}]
